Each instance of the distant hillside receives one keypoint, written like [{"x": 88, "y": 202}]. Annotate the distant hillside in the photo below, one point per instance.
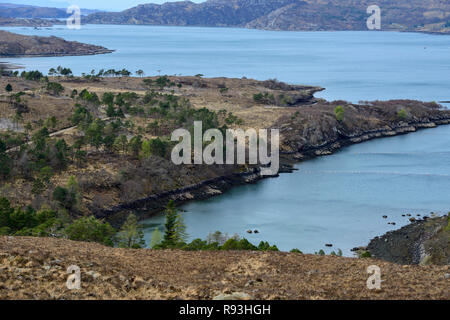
[
  {"x": 406, "y": 15},
  {"x": 15, "y": 45},
  {"x": 25, "y": 22},
  {"x": 8, "y": 10}
]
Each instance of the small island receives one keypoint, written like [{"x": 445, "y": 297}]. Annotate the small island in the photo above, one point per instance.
[{"x": 15, "y": 45}]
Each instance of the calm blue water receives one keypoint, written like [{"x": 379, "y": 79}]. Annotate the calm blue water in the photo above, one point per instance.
[
  {"x": 338, "y": 199},
  {"x": 351, "y": 65}
]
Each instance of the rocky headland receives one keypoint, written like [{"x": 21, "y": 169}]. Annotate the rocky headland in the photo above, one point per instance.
[{"x": 15, "y": 45}]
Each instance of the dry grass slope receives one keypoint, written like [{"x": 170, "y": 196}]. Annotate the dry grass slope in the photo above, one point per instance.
[{"x": 35, "y": 268}]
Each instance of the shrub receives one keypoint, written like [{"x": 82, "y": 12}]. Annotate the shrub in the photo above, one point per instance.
[
  {"x": 8, "y": 88},
  {"x": 263, "y": 98},
  {"x": 131, "y": 234},
  {"x": 90, "y": 229},
  {"x": 243, "y": 244},
  {"x": 15, "y": 221},
  {"x": 364, "y": 254},
  {"x": 54, "y": 88},
  {"x": 401, "y": 114},
  {"x": 447, "y": 228},
  {"x": 66, "y": 199},
  {"x": 339, "y": 113}
]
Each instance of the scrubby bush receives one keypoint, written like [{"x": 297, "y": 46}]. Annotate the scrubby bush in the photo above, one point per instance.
[
  {"x": 131, "y": 234},
  {"x": 54, "y": 88},
  {"x": 28, "y": 222},
  {"x": 339, "y": 113},
  {"x": 402, "y": 114},
  {"x": 264, "y": 98},
  {"x": 89, "y": 229}
]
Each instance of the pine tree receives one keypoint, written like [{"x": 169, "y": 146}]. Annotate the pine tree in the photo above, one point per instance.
[
  {"x": 146, "y": 149},
  {"x": 170, "y": 226},
  {"x": 156, "y": 238},
  {"x": 131, "y": 234},
  {"x": 175, "y": 228}
]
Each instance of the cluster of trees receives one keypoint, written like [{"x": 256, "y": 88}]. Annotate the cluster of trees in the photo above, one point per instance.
[
  {"x": 5, "y": 161},
  {"x": 51, "y": 223},
  {"x": 35, "y": 162},
  {"x": 175, "y": 237},
  {"x": 54, "y": 88},
  {"x": 28, "y": 222},
  {"x": 32, "y": 75},
  {"x": 60, "y": 71},
  {"x": 161, "y": 82},
  {"x": 264, "y": 98},
  {"x": 100, "y": 134},
  {"x": 111, "y": 73}
]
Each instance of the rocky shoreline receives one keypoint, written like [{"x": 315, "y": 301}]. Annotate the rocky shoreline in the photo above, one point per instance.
[
  {"x": 423, "y": 242},
  {"x": 149, "y": 206}
]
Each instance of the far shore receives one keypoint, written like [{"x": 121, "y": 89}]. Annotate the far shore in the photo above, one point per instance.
[{"x": 9, "y": 66}]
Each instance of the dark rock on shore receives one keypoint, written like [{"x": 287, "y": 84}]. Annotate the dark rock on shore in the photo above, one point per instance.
[
  {"x": 146, "y": 207},
  {"x": 421, "y": 242}
]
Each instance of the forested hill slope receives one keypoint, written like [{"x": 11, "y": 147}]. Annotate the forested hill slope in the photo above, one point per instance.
[{"x": 313, "y": 15}]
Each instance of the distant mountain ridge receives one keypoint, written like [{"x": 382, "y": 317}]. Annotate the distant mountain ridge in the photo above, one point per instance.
[
  {"x": 9, "y": 10},
  {"x": 311, "y": 15}
]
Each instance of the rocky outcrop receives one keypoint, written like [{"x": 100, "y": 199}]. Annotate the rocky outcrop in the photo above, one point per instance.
[
  {"x": 422, "y": 242},
  {"x": 310, "y": 15},
  {"x": 15, "y": 45},
  {"x": 323, "y": 133}
]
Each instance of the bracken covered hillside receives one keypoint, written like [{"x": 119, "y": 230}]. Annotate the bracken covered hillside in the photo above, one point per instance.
[{"x": 35, "y": 268}]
